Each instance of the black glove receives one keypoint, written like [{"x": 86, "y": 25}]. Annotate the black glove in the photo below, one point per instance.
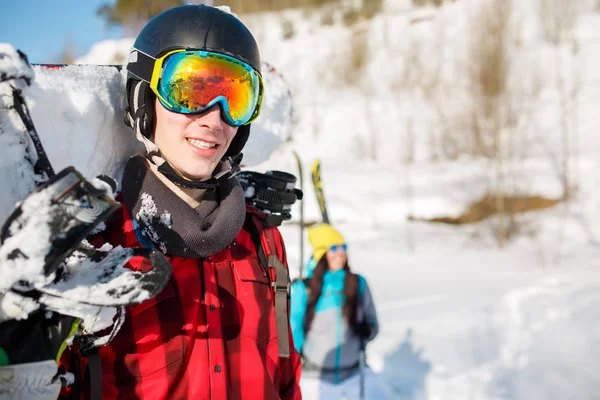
[
  {"x": 29, "y": 349},
  {"x": 363, "y": 330},
  {"x": 38, "y": 338}
]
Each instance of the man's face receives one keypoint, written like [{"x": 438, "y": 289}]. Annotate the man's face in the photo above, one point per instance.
[{"x": 192, "y": 144}]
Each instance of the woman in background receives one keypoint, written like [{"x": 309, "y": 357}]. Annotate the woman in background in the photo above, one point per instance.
[{"x": 332, "y": 318}]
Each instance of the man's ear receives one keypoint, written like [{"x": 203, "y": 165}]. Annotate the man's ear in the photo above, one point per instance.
[
  {"x": 148, "y": 119},
  {"x": 152, "y": 117}
]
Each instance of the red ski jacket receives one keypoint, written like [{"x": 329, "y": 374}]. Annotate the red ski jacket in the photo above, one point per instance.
[{"x": 210, "y": 334}]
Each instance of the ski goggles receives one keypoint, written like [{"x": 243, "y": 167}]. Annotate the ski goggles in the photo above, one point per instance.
[
  {"x": 337, "y": 247},
  {"x": 191, "y": 81}
]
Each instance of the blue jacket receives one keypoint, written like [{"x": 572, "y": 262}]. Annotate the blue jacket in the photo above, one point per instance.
[{"x": 330, "y": 350}]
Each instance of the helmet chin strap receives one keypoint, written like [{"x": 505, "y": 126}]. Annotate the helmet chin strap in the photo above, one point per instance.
[{"x": 228, "y": 167}]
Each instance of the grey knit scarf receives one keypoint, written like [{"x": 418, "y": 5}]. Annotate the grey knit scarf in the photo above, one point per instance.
[{"x": 171, "y": 224}]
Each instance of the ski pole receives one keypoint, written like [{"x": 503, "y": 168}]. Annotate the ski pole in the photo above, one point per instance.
[
  {"x": 361, "y": 369},
  {"x": 301, "y": 177}
]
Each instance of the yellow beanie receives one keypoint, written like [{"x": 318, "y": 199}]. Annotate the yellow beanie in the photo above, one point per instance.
[{"x": 322, "y": 237}]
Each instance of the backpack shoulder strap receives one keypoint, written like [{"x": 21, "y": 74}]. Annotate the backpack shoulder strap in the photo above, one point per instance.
[
  {"x": 264, "y": 239},
  {"x": 95, "y": 371},
  {"x": 251, "y": 224}
]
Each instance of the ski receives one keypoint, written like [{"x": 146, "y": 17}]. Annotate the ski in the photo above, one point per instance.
[{"x": 318, "y": 186}]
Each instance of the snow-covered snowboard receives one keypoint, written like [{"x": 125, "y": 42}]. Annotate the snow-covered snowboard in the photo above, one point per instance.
[
  {"x": 78, "y": 112},
  {"x": 45, "y": 260}
]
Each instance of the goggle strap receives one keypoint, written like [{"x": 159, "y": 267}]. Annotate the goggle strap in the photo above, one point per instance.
[{"x": 141, "y": 65}]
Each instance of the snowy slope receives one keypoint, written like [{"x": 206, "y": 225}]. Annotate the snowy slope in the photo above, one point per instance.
[{"x": 461, "y": 319}]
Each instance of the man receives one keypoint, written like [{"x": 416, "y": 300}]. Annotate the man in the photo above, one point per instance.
[{"x": 194, "y": 86}]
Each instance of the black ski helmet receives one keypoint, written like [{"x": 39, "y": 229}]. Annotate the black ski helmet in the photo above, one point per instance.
[{"x": 192, "y": 27}]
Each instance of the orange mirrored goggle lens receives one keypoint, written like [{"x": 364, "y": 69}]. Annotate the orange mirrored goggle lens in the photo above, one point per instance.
[{"x": 192, "y": 81}]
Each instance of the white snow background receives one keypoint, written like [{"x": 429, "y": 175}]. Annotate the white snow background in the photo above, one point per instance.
[{"x": 460, "y": 317}]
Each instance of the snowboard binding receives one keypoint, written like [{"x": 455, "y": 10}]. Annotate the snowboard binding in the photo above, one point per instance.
[
  {"x": 273, "y": 193},
  {"x": 70, "y": 208}
]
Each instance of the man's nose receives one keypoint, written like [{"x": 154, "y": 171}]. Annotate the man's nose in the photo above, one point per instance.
[{"x": 210, "y": 118}]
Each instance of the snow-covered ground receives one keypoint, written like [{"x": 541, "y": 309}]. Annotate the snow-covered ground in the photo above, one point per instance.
[
  {"x": 463, "y": 320},
  {"x": 460, "y": 317}
]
